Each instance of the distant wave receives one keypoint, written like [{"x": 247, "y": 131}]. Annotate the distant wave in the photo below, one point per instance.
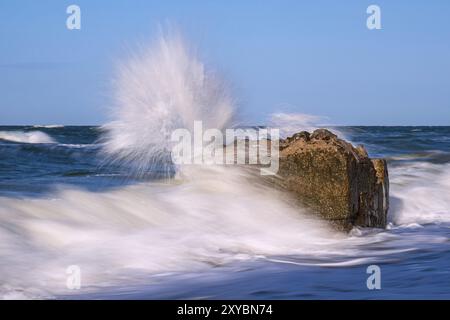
[
  {"x": 433, "y": 156},
  {"x": 77, "y": 145},
  {"x": 26, "y": 137},
  {"x": 49, "y": 126}
]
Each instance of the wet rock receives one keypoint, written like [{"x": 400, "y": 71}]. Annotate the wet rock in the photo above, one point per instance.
[
  {"x": 323, "y": 134},
  {"x": 335, "y": 180}
]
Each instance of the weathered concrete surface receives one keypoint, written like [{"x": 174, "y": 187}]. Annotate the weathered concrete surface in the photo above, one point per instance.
[{"x": 334, "y": 179}]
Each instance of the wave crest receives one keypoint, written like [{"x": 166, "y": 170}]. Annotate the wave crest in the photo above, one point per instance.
[{"x": 26, "y": 137}]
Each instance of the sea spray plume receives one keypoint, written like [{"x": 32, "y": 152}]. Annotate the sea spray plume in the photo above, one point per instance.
[
  {"x": 291, "y": 123},
  {"x": 162, "y": 88}
]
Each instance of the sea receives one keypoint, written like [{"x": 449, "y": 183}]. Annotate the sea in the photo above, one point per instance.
[{"x": 76, "y": 225}]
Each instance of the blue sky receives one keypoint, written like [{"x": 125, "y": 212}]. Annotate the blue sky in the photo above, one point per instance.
[{"x": 314, "y": 57}]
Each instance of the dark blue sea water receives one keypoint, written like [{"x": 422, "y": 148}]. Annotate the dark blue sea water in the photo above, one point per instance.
[{"x": 209, "y": 234}]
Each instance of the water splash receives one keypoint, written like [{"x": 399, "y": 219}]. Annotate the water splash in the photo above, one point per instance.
[{"x": 163, "y": 88}]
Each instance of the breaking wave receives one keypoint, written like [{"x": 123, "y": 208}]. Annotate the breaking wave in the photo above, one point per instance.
[
  {"x": 162, "y": 88},
  {"x": 150, "y": 228},
  {"x": 26, "y": 137},
  {"x": 291, "y": 123},
  {"x": 420, "y": 193}
]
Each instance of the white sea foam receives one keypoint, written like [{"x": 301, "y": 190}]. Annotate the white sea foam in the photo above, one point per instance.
[
  {"x": 26, "y": 137},
  {"x": 49, "y": 126},
  {"x": 188, "y": 224},
  {"x": 420, "y": 193},
  {"x": 207, "y": 217}
]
